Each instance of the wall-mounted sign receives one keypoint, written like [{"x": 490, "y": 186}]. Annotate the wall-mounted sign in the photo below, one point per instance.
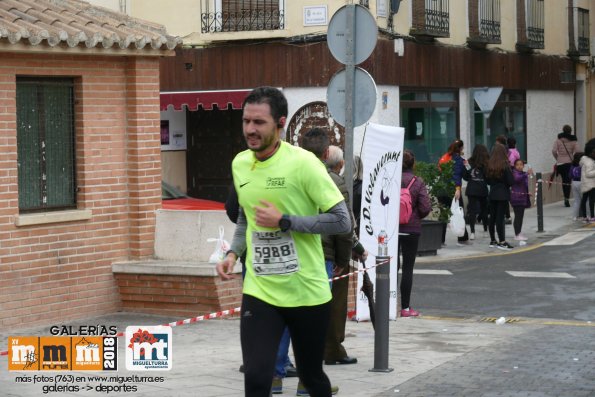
[
  {"x": 173, "y": 130},
  {"x": 315, "y": 15}
]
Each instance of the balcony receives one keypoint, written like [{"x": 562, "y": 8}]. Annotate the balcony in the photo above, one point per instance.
[
  {"x": 431, "y": 19},
  {"x": 583, "y": 43},
  {"x": 241, "y": 16},
  {"x": 484, "y": 23},
  {"x": 531, "y": 17}
]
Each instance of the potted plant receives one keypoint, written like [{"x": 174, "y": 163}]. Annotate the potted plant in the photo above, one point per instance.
[{"x": 439, "y": 182}]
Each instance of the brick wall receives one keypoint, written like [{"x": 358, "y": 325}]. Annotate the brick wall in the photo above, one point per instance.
[
  {"x": 178, "y": 296},
  {"x": 418, "y": 20},
  {"x": 473, "y": 18},
  {"x": 60, "y": 271},
  {"x": 521, "y": 24}
]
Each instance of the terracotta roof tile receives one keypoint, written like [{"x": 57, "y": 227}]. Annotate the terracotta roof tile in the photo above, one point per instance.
[{"x": 78, "y": 23}]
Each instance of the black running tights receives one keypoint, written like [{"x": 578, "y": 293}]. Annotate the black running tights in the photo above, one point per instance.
[{"x": 261, "y": 327}]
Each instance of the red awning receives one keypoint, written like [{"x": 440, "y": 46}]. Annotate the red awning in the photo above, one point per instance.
[{"x": 206, "y": 99}]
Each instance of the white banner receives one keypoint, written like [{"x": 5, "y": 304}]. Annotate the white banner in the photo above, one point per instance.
[{"x": 381, "y": 193}]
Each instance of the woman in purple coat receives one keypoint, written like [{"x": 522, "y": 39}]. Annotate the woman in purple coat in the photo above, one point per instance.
[
  {"x": 421, "y": 207},
  {"x": 519, "y": 197}
]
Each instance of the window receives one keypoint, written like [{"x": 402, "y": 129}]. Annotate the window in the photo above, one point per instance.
[
  {"x": 430, "y": 119},
  {"x": 241, "y": 15},
  {"x": 489, "y": 19},
  {"x": 430, "y": 19},
  {"x": 437, "y": 19},
  {"x": 45, "y": 144},
  {"x": 535, "y": 23},
  {"x": 583, "y": 31},
  {"x": 507, "y": 118}
]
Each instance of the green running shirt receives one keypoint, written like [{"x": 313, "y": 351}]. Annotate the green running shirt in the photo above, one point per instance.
[{"x": 297, "y": 183}]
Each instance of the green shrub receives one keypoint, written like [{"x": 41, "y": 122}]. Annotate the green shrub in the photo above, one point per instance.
[{"x": 439, "y": 183}]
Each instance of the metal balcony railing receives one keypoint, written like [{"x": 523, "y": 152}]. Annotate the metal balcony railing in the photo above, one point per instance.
[
  {"x": 437, "y": 17},
  {"x": 583, "y": 43},
  {"x": 535, "y": 23},
  {"x": 242, "y": 16},
  {"x": 489, "y": 20}
]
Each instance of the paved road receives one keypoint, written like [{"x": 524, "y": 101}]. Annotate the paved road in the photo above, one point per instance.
[
  {"x": 551, "y": 281},
  {"x": 552, "y": 285},
  {"x": 553, "y": 361}
]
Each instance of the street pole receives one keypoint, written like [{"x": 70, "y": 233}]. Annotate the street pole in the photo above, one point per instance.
[
  {"x": 382, "y": 315},
  {"x": 349, "y": 98},
  {"x": 539, "y": 194}
]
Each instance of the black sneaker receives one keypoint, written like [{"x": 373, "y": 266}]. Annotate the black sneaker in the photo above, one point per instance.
[
  {"x": 566, "y": 203},
  {"x": 504, "y": 246},
  {"x": 493, "y": 244}
]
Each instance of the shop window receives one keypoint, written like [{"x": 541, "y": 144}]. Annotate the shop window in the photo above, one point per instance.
[
  {"x": 430, "y": 119},
  {"x": 508, "y": 118}
]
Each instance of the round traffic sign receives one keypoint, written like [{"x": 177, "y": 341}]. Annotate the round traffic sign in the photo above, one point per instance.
[
  {"x": 365, "y": 34},
  {"x": 364, "y": 93}
]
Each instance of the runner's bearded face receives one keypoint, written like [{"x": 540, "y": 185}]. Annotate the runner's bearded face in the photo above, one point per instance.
[{"x": 260, "y": 130}]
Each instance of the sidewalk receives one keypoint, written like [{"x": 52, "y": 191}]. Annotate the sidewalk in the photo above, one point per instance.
[
  {"x": 557, "y": 220},
  {"x": 430, "y": 356}
]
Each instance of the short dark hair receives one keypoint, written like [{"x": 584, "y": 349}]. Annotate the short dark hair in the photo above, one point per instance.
[
  {"x": 271, "y": 96},
  {"x": 502, "y": 140},
  {"x": 511, "y": 141},
  {"x": 576, "y": 159},
  {"x": 567, "y": 129},
  {"x": 408, "y": 160},
  {"x": 590, "y": 148},
  {"x": 316, "y": 141}
]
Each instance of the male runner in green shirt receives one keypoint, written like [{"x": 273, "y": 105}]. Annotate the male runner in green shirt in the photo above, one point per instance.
[{"x": 287, "y": 199}]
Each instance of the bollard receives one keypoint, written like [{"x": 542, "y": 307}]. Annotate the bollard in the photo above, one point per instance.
[
  {"x": 382, "y": 314},
  {"x": 539, "y": 194}
]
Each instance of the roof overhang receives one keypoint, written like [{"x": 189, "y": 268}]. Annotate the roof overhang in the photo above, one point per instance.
[
  {"x": 207, "y": 99},
  {"x": 81, "y": 50}
]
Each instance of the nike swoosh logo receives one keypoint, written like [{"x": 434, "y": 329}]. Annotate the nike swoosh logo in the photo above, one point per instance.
[{"x": 244, "y": 184}]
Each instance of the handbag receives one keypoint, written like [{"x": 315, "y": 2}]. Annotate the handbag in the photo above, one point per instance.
[{"x": 457, "y": 219}]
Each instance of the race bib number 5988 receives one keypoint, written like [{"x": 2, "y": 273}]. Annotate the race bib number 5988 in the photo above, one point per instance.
[{"x": 273, "y": 253}]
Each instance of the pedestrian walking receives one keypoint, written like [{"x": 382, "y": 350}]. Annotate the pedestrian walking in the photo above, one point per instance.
[
  {"x": 286, "y": 200},
  {"x": 455, "y": 154},
  {"x": 578, "y": 211},
  {"x": 477, "y": 188},
  {"x": 588, "y": 179},
  {"x": 563, "y": 151},
  {"x": 499, "y": 178},
  {"x": 409, "y": 232},
  {"x": 519, "y": 196}
]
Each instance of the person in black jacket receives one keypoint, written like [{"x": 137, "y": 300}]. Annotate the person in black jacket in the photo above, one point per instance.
[
  {"x": 477, "y": 188},
  {"x": 499, "y": 177}
]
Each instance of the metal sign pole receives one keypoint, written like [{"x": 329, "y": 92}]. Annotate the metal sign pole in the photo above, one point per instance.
[{"x": 349, "y": 98}]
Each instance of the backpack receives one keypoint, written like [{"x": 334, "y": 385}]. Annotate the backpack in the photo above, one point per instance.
[
  {"x": 575, "y": 173},
  {"x": 406, "y": 207},
  {"x": 445, "y": 158}
]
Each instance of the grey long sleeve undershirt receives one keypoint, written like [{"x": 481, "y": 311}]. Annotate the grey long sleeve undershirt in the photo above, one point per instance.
[{"x": 335, "y": 221}]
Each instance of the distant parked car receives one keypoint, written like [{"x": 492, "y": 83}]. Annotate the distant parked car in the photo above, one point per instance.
[{"x": 173, "y": 199}]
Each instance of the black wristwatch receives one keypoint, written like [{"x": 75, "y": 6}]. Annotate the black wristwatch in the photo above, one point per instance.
[{"x": 284, "y": 223}]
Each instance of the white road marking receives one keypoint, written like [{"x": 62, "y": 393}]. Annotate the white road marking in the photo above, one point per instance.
[
  {"x": 569, "y": 238},
  {"x": 433, "y": 272},
  {"x": 541, "y": 274}
]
